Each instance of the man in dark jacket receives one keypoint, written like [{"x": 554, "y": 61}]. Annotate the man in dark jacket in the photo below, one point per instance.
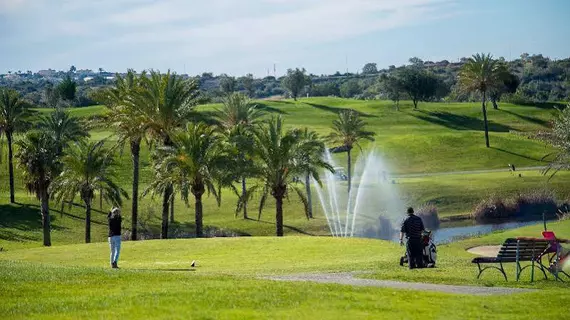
[
  {"x": 114, "y": 218},
  {"x": 413, "y": 227}
]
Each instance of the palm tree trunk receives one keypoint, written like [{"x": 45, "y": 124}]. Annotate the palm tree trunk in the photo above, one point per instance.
[
  {"x": 135, "y": 155},
  {"x": 415, "y": 103},
  {"x": 10, "y": 166},
  {"x": 172, "y": 209},
  {"x": 484, "y": 108},
  {"x": 199, "y": 215},
  {"x": 279, "y": 215},
  {"x": 349, "y": 173},
  {"x": 243, "y": 194},
  {"x": 165, "y": 203},
  {"x": 309, "y": 198},
  {"x": 88, "y": 221},
  {"x": 101, "y": 199},
  {"x": 46, "y": 224}
]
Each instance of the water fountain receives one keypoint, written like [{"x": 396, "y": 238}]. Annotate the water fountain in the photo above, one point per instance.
[{"x": 372, "y": 208}]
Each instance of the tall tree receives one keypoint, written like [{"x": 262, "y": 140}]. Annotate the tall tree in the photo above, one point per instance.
[
  {"x": 510, "y": 84},
  {"x": 167, "y": 102},
  {"x": 391, "y": 88},
  {"x": 295, "y": 81},
  {"x": 418, "y": 84},
  {"x": 88, "y": 167},
  {"x": 192, "y": 164},
  {"x": 307, "y": 160},
  {"x": 67, "y": 88},
  {"x": 129, "y": 121},
  {"x": 370, "y": 68},
  {"x": 37, "y": 156},
  {"x": 279, "y": 155},
  {"x": 227, "y": 84},
  {"x": 13, "y": 113},
  {"x": 237, "y": 117},
  {"x": 247, "y": 83},
  {"x": 348, "y": 131},
  {"x": 481, "y": 73}
]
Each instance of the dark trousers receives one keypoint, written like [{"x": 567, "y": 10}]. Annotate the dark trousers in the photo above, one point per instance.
[{"x": 415, "y": 254}]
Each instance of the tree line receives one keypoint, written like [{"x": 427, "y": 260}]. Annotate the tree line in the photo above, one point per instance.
[
  {"x": 533, "y": 78},
  {"x": 191, "y": 156}
]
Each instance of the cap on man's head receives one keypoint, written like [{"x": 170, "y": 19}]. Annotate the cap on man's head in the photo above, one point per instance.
[
  {"x": 410, "y": 210},
  {"x": 115, "y": 210}
]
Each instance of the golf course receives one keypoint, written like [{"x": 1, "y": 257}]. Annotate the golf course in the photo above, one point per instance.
[{"x": 436, "y": 155}]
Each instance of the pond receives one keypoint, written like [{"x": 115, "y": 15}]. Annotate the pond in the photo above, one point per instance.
[{"x": 456, "y": 233}]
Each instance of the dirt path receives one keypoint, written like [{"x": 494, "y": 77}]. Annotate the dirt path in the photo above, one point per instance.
[{"x": 349, "y": 279}]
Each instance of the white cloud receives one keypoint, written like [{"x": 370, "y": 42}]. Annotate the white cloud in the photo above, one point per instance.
[{"x": 180, "y": 29}]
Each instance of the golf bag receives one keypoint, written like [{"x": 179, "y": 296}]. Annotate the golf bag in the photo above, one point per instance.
[{"x": 429, "y": 251}]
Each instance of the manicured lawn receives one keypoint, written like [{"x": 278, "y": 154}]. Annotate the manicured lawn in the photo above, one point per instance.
[{"x": 156, "y": 281}]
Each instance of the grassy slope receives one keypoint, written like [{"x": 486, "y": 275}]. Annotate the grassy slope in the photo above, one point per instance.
[
  {"x": 155, "y": 282},
  {"x": 438, "y": 137}
]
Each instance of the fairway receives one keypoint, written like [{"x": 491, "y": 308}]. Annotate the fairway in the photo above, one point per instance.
[{"x": 156, "y": 281}]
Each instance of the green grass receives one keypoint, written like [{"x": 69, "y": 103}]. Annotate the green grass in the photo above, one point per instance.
[{"x": 155, "y": 281}]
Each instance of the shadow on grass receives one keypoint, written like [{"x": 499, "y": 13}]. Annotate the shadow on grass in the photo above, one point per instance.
[
  {"x": 288, "y": 227},
  {"x": 534, "y": 120},
  {"x": 23, "y": 217},
  {"x": 269, "y": 109},
  {"x": 459, "y": 122},
  {"x": 338, "y": 110},
  {"x": 518, "y": 154}
]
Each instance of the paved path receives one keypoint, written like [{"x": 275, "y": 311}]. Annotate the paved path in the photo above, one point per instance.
[
  {"x": 347, "y": 278},
  {"x": 418, "y": 175}
]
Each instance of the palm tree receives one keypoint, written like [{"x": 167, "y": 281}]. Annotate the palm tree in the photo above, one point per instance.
[
  {"x": 37, "y": 156},
  {"x": 308, "y": 158},
  {"x": 348, "y": 130},
  {"x": 130, "y": 126},
  {"x": 63, "y": 128},
  {"x": 481, "y": 73},
  {"x": 280, "y": 160},
  {"x": 559, "y": 138},
  {"x": 167, "y": 102},
  {"x": 237, "y": 117},
  {"x": 13, "y": 113},
  {"x": 192, "y": 165},
  {"x": 87, "y": 167}
]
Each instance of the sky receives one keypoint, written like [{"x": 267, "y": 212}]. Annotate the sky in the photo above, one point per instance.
[{"x": 252, "y": 36}]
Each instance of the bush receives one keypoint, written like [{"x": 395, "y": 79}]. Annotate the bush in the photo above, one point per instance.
[
  {"x": 430, "y": 218},
  {"x": 525, "y": 206},
  {"x": 533, "y": 204},
  {"x": 492, "y": 209}
]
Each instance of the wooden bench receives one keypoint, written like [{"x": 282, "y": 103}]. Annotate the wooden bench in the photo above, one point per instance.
[{"x": 516, "y": 251}]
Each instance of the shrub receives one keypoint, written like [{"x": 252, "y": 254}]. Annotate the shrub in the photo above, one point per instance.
[
  {"x": 533, "y": 204},
  {"x": 428, "y": 213},
  {"x": 492, "y": 209},
  {"x": 525, "y": 206}
]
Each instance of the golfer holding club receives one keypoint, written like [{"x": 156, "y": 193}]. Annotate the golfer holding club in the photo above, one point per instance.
[{"x": 114, "y": 218}]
